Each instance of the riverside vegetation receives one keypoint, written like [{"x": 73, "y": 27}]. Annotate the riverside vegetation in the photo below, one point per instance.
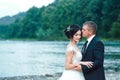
[{"x": 41, "y": 23}]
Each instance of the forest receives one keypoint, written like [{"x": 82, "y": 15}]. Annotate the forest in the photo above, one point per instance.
[{"x": 49, "y": 22}]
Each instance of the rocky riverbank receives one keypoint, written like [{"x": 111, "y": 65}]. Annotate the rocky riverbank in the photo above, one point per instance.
[{"x": 109, "y": 76}]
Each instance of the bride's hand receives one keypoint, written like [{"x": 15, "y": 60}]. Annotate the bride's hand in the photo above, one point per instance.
[
  {"x": 89, "y": 64},
  {"x": 77, "y": 64},
  {"x": 78, "y": 67}
]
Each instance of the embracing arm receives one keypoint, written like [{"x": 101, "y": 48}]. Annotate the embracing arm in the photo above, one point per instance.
[
  {"x": 98, "y": 55},
  {"x": 68, "y": 62},
  {"x": 70, "y": 66}
]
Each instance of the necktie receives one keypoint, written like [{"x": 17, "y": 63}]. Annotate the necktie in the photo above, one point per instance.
[{"x": 84, "y": 47}]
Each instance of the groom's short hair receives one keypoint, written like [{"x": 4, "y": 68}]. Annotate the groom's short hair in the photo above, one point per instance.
[{"x": 91, "y": 25}]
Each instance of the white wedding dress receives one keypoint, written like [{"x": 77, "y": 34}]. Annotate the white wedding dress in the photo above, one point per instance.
[{"x": 72, "y": 74}]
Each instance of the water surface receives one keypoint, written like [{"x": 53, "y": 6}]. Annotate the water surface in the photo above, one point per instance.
[{"x": 19, "y": 58}]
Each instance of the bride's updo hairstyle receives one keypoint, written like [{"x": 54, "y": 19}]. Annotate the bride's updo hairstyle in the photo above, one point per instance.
[{"x": 71, "y": 30}]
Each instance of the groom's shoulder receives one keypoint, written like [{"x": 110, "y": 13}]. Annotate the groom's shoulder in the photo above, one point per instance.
[{"x": 97, "y": 39}]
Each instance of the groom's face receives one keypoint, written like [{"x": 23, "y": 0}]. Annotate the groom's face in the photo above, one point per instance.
[{"x": 85, "y": 31}]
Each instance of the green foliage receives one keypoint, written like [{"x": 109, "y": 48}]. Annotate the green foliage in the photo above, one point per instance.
[
  {"x": 114, "y": 32},
  {"x": 7, "y": 20},
  {"x": 48, "y": 23},
  {"x": 110, "y": 15},
  {"x": 3, "y": 31}
]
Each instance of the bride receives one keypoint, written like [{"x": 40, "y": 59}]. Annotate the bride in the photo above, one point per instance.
[{"x": 73, "y": 55}]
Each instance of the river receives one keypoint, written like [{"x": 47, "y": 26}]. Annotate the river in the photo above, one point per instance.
[{"x": 19, "y": 58}]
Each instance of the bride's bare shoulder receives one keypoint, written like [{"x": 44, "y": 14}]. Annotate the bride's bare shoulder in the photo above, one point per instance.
[{"x": 69, "y": 48}]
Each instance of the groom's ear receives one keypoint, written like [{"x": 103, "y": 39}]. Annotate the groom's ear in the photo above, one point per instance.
[{"x": 91, "y": 32}]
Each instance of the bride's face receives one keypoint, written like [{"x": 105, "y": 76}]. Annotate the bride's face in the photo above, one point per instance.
[{"x": 77, "y": 36}]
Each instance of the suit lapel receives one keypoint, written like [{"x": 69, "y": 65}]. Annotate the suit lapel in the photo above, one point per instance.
[{"x": 89, "y": 46}]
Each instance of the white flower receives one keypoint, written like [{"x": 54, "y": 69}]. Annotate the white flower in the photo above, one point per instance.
[{"x": 68, "y": 28}]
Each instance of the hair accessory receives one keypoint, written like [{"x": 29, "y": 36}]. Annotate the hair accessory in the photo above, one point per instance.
[{"x": 68, "y": 28}]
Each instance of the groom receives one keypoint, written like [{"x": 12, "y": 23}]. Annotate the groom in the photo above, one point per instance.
[{"x": 94, "y": 52}]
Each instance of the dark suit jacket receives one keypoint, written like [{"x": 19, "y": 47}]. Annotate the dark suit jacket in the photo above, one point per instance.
[{"x": 94, "y": 53}]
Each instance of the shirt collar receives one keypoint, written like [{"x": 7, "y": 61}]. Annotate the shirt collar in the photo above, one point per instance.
[{"x": 90, "y": 38}]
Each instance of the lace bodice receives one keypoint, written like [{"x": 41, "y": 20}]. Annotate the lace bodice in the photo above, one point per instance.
[
  {"x": 78, "y": 56},
  {"x": 73, "y": 74}
]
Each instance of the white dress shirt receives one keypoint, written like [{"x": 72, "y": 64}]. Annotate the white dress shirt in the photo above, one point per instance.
[{"x": 89, "y": 40}]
